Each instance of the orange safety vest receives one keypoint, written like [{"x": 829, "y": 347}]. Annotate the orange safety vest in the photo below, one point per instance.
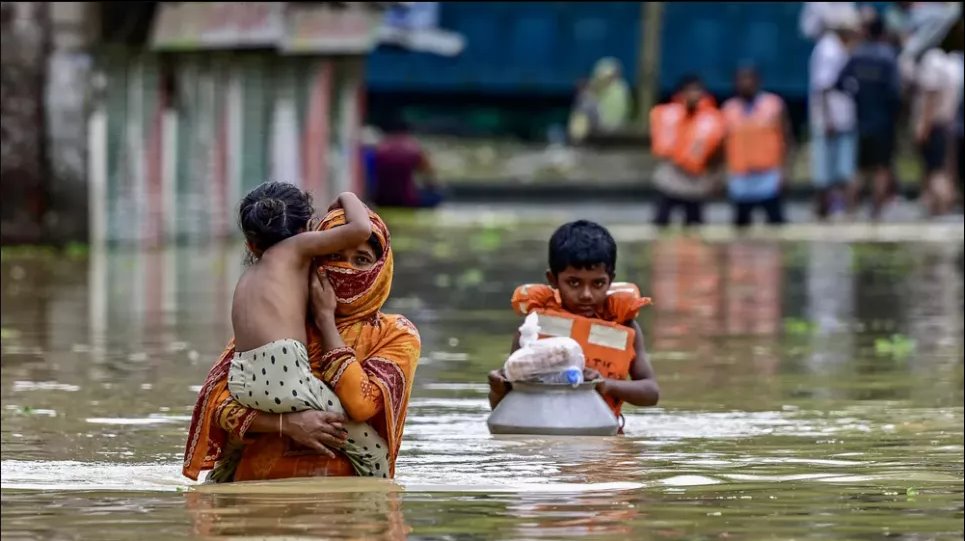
[
  {"x": 755, "y": 141},
  {"x": 688, "y": 141},
  {"x": 607, "y": 343}
]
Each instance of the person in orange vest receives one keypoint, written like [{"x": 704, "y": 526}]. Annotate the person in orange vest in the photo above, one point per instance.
[
  {"x": 582, "y": 302},
  {"x": 756, "y": 149},
  {"x": 685, "y": 137}
]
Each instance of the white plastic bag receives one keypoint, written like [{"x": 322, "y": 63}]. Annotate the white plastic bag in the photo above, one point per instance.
[
  {"x": 529, "y": 330},
  {"x": 536, "y": 358}
]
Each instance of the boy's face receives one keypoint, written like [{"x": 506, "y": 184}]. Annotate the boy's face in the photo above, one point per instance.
[{"x": 583, "y": 291}]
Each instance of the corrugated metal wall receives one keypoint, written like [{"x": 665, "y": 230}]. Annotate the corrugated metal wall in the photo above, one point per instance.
[{"x": 188, "y": 135}]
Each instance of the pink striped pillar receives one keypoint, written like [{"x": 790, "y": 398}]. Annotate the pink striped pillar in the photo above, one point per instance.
[{"x": 315, "y": 138}]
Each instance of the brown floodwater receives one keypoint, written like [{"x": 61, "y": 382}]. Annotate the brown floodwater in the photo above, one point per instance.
[{"x": 812, "y": 388}]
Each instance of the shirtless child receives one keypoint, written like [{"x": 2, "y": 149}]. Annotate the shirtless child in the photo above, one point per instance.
[{"x": 270, "y": 371}]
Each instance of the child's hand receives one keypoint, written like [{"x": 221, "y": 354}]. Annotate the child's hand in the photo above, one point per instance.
[
  {"x": 590, "y": 374},
  {"x": 498, "y": 387},
  {"x": 497, "y": 379},
  {"x": 340, "y": 200}
]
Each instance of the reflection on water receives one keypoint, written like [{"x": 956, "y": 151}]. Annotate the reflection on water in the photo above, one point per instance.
[
  {"x": 354, "y": 510},
  {"x": 812, "y": 387}
]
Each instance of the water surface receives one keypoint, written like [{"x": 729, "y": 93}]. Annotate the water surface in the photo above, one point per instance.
[{"x": 812, "y": 388}]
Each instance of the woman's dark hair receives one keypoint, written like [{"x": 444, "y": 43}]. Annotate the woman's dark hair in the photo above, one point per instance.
[
  {"x": 582, "y": 245},
  {"x": 376, "y": 246},
  {"x": 272, "y": 212}
]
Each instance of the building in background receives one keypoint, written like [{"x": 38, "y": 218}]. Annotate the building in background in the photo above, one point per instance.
[
  {"x": 217, "y": 98},
  {"x": 147, "y": 121}
]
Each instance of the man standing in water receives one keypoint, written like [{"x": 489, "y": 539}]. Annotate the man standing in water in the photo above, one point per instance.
[
  {"x": 871, "y": 76},
  {"x": 831, "y": 112},
  {"x": 938, "y": 76},
  {"x": 758, "y": 137},
  {"x": 686, "y": 136}
]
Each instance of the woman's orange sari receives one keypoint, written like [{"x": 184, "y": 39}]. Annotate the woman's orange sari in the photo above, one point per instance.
[{"x": 372, "y": 377}]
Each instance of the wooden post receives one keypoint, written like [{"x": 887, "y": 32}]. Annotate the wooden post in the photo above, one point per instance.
[{"x": 648, "y": 63}]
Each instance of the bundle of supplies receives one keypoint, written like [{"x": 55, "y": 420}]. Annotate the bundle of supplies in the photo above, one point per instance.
[{"x": 555, "y": 360}]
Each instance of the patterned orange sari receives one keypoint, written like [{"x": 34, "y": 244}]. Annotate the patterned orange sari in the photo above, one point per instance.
[{"x": 372, "y": 377}]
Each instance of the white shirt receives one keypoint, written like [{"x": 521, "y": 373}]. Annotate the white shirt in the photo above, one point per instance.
[
  {"x": 827, "y": 60},
  {"x": 814, "y": 17},
  {"x": 939, "y": 72}
]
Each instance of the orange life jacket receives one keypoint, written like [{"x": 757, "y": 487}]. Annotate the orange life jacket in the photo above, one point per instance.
[
  {"x": 755, "y": 141},
  {"x": 607, "y": 343},
  {"x": 687, "y": 140}
]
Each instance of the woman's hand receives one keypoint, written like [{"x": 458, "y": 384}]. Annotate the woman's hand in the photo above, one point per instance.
[
  {"x": 317, "y": 430},
  {"x": 322, "y": 296}
]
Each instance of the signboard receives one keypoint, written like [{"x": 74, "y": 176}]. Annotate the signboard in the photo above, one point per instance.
[
  {"x": 313, "y": 28},
  {"x": 217, "y": 25},
  {"x": 291, "y": 27}
]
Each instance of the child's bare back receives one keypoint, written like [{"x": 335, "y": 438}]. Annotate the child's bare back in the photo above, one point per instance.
[{"x": 270, "y": 299}]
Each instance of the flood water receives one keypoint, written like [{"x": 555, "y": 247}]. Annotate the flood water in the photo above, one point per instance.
[{"x": 812, "y": 388}]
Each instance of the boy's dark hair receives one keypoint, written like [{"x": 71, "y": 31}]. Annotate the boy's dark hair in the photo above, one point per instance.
[
  {"x": 582, "y": 244},
  {"x": 272, "y": 212}
]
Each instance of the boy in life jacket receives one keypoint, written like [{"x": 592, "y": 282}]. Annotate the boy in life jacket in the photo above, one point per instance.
[
  {"x": 582, "y": 302},
  {"x": 756, "y": 149},
  {"x": 685, "y": 137}
]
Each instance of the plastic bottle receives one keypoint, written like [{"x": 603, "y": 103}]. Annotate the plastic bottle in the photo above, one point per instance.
[{"x": 571, "y": 376}]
